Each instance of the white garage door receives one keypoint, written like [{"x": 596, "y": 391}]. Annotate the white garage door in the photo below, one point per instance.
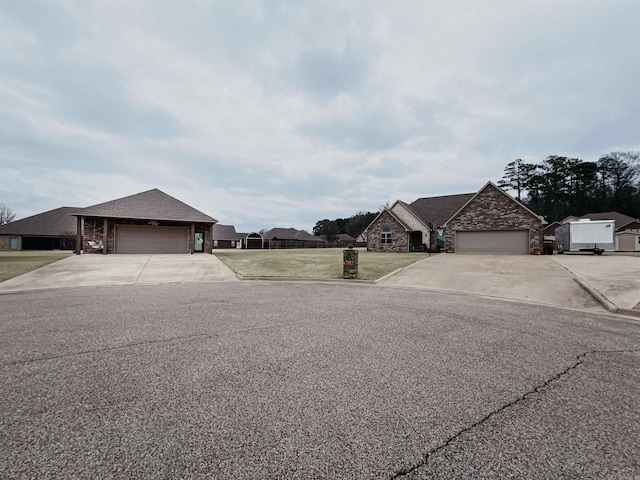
[
  {"x": 508, "y": 242},
  {"x": 148, "y": 239}
]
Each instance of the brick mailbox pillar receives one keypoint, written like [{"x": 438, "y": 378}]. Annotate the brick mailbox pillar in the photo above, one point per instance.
[{"x": 350, "y": 263}]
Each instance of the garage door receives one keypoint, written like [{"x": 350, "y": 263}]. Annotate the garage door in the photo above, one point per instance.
[
  {"x": 148, "y": 239},
  {"x": 508, "y": 242}
]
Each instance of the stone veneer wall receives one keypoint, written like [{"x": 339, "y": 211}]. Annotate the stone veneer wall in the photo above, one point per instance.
[
  {"x": 93, "y": 231},
  {"x": 399, "y": 236},
  {"x": 493, "y": 210}
]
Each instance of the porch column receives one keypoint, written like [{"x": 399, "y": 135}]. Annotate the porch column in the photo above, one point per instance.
[
  {"x": 105, "y": 236},
  {"x": 192, "y": 229},
  {"x": 79, "y": 235},
  {"x": 211, "y": 241}
]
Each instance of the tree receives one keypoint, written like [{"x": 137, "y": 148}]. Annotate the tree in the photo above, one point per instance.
[
  {"x": 560, "y": 186},
  {"x": 517, "y": 175},
  {"x": 6, "y": 214}
]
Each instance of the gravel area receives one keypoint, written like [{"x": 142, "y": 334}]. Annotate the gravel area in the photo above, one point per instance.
[{"x": 294, "y": 380}]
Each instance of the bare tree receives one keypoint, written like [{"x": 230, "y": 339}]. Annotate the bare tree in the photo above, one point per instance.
[{"x": 6, "y": 214}]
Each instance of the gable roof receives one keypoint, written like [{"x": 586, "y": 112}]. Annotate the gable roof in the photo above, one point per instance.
[
  {"x": 150, "y": 205},
  {"x": 290, "y": 234},
  {"x": 411, "y": 211},
  {"x": 345, "y": 237},
  {"x": 438, "y": 210},
  {"x": 620, "y": 218},
  {"x": 550, "y": 229},
  {"x": 393, "y": 215},
  {"x": 493, "y": 185},
  {"x": 52, "y": 223},
  {"x": 226, "y": 232}
]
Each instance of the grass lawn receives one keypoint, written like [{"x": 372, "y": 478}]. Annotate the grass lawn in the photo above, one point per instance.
[
  {"x": 13, "y": 264},
  {"x": 312, "y": 263}
]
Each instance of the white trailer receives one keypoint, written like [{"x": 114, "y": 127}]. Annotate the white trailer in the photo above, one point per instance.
[{"x": 586, "y": 235}]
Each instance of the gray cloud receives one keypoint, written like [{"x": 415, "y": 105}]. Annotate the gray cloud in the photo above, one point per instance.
[
  {"x": 283, "y": 112},
  {"x": 374, "y": 131},
  {"x": 326, "y": 74}
]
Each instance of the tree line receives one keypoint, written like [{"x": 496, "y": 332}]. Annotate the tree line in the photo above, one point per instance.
[
  {"x": 561, "y": 186},
  {"x": 354, "y": 225}
]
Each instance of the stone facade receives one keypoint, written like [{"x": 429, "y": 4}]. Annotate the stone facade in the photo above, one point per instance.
[
  {"x": 410, "y": 220},
  {"x": 93, "y": 231},
  {"x": 492, "y": 209},
  {"x": 399, "y": 235}
]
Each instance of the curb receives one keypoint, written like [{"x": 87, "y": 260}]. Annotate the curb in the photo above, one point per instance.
[{"x": 604, "y": 301}]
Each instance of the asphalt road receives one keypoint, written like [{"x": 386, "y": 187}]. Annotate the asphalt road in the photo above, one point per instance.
[{"x": 299, "y": 380}]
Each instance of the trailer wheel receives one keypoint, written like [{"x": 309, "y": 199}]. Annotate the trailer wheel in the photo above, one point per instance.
[{"x": 599, "y": 251}]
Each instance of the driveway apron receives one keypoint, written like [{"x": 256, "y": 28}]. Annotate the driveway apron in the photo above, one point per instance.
[
  {"x": 102, "y": 270},
  {"x": 529, "y": 278}
]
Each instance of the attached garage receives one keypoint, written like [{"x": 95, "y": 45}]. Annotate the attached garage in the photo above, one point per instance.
[
  {"x": 151, "y": 239},
  {"x": 494, "y": 222},
  {"x": 505, "y": 242},
  {"x": 150, "y": 222}
]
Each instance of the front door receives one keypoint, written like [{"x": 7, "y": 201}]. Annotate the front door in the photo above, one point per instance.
[
  {"x": 199, "y": 243},
  {"x": 415, "y": 241}
]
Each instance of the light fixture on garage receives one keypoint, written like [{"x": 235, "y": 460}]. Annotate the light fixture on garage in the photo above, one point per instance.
[{"x": 154, "y": 223}]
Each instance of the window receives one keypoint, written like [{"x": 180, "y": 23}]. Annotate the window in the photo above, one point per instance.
[
  {"x": 13, "y": 243},
  {"x": 215, "y": 243},
  {"x": 233, "y": 244},
  {"x": 385, "y": 235}
]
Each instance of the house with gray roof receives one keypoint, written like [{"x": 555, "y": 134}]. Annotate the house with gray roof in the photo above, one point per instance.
[
  {"x": 225, "y": 236},
  {"x": 487, "y": 221},
  {"x": 292, "y": 238},
  {"x": 51, "y": 230},
  {"x": 623, "y": 222},
  {"x": 147, "y": 222}
]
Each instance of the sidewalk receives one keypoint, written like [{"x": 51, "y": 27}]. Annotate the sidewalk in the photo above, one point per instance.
[{"x": 614, "y": 280}]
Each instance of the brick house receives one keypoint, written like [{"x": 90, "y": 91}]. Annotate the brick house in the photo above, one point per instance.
[
  {"x": 51, "y": 230},
  {"x": 488, "y": 221},
  {"x": 225, "y": 236},
  {"x": 147, "y": 222}
]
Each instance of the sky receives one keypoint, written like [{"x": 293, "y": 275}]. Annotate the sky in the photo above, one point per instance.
[{"x": 283, "y": 113}]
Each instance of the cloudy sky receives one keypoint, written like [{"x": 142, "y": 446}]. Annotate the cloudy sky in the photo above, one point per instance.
[{"x": 265, "y": 114}]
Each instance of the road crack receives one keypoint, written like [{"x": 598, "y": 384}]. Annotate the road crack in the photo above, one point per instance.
[
  {"x": 148, "y": 342},
  {"x": 425, "y": 460}
]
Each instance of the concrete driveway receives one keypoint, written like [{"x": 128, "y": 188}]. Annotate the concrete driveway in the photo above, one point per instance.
[
  {"x": 100, "y": 270},
  {"x": 616, "y": 277},
  {"x": 529, "y": 278}
]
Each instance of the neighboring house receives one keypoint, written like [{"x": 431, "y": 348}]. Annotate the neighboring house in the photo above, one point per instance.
[
  {"x": 225, "y": 236},
  {"x": 549, "y": 231},
  {"x": 51, "y": 230},
  {"x": 623, "y": 222},
  {"x": 344, "y": 239},
  {"x": 570, "y": 218},
  {"x": 628, "y": 241},
  {"x": 488, "y": 221},
  {"x": 147, "y": 222},
  {"x": 413, "y": 227},
  {"x": 339, "y": 240},
  {"x": 291, "y": 238}
]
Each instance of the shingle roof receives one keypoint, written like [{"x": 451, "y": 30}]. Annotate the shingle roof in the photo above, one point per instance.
[
  {"x": 437, "y": 210},
  {"x": 226, "y": 232},
  {"x": 345, "y": 237},
  {"x": 290, "y": 234},
  {"x": 53, "y": 223},
  {"x": 152, "y": 205},
  {"x": 620, "y": 218}
]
